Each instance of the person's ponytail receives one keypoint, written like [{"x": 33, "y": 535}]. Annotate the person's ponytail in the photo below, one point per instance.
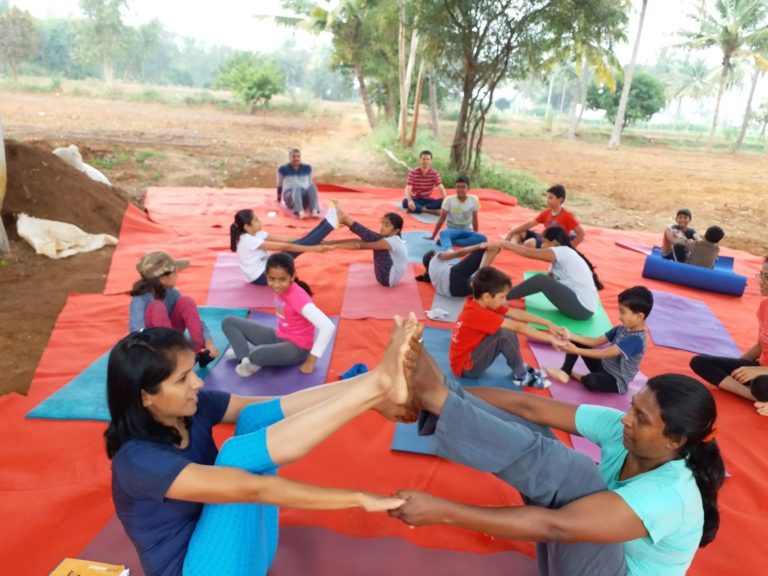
[
  {"x": 425, "y": 260},
  {"x": 708, "y": 469},
  {"x": 303, "y": 285},
  {"x": 237, "y": 228}
]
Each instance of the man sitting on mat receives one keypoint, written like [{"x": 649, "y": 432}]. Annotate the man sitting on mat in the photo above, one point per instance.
[
  {"x": 295, "y": 186},
  {"x": 422, "y": 181},
  {"x": 486, "y": 328},
  {"x": 611, "y": 369}
]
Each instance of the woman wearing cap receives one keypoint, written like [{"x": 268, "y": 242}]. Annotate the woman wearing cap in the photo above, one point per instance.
[{"x": 156, "y": 303}]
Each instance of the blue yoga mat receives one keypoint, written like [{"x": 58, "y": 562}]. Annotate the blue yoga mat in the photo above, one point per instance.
[
  {"x": 721, "y": 278},
  {"x": 499, "y": 374},
  {"x": 272, "y": 380},
  {"x": 85, "y": 397},
  {"x": 407, "y": 439},
  {"x": 418, "y": 245}
]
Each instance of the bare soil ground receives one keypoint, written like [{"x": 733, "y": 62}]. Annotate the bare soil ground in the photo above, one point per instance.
[{"x": 144, "y": 144}]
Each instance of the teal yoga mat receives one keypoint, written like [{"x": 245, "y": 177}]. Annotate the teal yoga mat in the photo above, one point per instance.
[
  {"x": 85, "y": 396},
  {"x": 539, "y": 305}
]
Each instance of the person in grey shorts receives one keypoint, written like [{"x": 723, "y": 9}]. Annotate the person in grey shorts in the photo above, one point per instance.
[{"x": 647, "y": 508}]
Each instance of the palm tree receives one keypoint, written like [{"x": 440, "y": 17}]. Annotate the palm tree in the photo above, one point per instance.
[
  {"x": 618, "y": 125},
  {"x": 690, "y": 79},
  {"x": 735, "y": 26},
  {"x": 760, "y": 64}
]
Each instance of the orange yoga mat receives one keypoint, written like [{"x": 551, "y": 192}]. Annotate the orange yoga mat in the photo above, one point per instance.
[{"x": 55, "y": 481}]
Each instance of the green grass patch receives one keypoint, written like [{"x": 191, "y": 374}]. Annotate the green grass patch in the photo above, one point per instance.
[
  {"x": 144, "y": 156},
  {"x": 110, "y": 161},
  {"x": 528, "y": 189}
]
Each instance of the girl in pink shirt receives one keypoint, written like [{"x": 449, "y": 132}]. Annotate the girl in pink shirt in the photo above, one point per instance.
[{"x": 294, "y": 341}]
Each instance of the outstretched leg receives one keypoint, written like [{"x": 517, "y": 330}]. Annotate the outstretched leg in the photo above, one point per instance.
[{"x": 559, "y": 294}]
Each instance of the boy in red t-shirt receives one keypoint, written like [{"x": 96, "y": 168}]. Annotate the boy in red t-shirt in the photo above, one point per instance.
[
  {"x": 553, "y": 215},
  {"x": 486, "y": 328}
]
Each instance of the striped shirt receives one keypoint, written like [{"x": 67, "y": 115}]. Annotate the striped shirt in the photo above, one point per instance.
[
  {"x": 626, "y": 365},
  {"x": 422, "y": 184}
]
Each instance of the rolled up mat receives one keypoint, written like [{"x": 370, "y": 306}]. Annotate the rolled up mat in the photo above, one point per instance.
[{"x": 720, "y": 279}]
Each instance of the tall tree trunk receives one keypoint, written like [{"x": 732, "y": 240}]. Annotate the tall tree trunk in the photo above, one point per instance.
[
  {"x": 401, "y": 72},
  {"x": 548, "y": 109},
  {"x": 108, "y": 70},
  {"x": 459, "y": 144},
  {"x": 14, "y": 68},
  {"x": 618, "y": 126},
  {"x": 403, "y": 124},
  {"x": 417, "y": 103},
  {"x": 577, "y": 110},
  {"x": 762, "y": 131},
  {"x": 365, "y": 96},
  {"x": 720, "y": 92},
  {"x": 433, "y": 111},
  {"x": 747, "y": 110},
  {"x": 4, "y": 245}
]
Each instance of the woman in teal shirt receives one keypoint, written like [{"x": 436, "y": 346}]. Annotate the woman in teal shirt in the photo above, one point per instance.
[{"x": 647, "y": 509}]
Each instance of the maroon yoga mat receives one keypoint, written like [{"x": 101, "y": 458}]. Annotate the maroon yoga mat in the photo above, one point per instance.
[{"x": 304, "y": 550}]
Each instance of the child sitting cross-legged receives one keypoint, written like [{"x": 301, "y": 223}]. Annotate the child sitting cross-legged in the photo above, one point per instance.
[
  {"x": 611, "y": 368},
  {"x": 486, "y": 328}
]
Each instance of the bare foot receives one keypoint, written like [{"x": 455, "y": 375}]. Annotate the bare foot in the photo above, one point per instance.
[
  {"x": 391, "y": 370},
  {"x": 344, "y": 219},
  {"x": 425, "y": 380},
  {"x": 558, "y": 375},
  {"x": 762, "y": 408}
]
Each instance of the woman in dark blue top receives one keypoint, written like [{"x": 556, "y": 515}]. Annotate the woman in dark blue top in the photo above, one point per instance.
[{"x": 165, "y": 464}]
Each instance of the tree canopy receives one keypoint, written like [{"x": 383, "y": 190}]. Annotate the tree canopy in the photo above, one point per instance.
[
  {"x": 253, "y": 78},
  {"x": 646, "y": 97},
  {"x": 18, "y": 38}
]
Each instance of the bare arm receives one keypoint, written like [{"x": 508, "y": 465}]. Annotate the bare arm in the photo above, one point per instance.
[
  {"x": 588, "y": 340},
  {"x": 536, "y": 409},
  {"x": 609, "y": 352},
  {"x": 221, "y": 484},
  {"x": 280, "y": 238},
  {"x": 238, "y": 403},
  {"x": 545, "y": 254},
  {"x": 288, "y": 247},
  {"x": 475, "y": 222},
  {"x": 531, "y": 332},
  {"x": 579, "y": 238},
  {"x": 520, "y": 229},
  {"x": 440, "y": 222},
  {"x": 754, "y": 352},
  {"x": 451, "y": 254},
  {"x": 442, "y": 190},
  {"x": 408, "y": 192},
  {"x": 603, "y": 517},
  {"x": 359, "y": 245}
]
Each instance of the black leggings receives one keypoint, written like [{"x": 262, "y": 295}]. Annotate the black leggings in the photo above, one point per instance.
[
  {"x": 714, "y": 369},
  {"x": 598, "y": 380},
  {"x": 461, "y": 274}
]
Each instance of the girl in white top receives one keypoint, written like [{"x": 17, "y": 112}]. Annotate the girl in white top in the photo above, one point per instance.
[
  {"x": 390, "y": 256},
  {"x": 571, "y": 285},
  {"x": 251, "y": 242}
]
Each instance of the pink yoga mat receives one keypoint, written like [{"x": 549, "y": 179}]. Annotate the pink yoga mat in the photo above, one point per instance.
[
  {"x": 229, "y": 286},
  {"x": 366, "y": 298},
  {"x": 635, "y": 247},
  {"x": 575, "y": 393},
  {"x": 304, "y": 550}
]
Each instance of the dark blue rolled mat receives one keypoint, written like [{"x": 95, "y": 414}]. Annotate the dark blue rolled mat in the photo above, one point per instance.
[{"x": 720, "y": 279}]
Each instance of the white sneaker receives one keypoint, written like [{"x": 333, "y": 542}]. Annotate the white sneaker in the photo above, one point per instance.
[
  {"x": 315, "y": 213},
  {"x": 245, "y": 368},
  {"x": 331, "y": 216}
]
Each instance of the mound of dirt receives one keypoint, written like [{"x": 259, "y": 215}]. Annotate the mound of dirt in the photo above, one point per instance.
[
  {"x": 33, "y": 288},
  {"x": 44, "y": 186}
]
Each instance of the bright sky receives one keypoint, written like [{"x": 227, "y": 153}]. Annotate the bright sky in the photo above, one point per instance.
[{"x": 233, "y": 22}]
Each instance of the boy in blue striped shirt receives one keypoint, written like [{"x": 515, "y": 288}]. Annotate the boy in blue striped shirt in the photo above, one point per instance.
[{"x": 611, "y": 368}]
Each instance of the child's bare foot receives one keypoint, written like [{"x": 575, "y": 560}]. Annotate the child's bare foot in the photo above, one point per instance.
[
  {"x": 391, "y": 370},
  {"x": 425, "y": 380},
  {"x": 762, "y": 408},
  {"x": 343, "y": 217},
  {"x": 557, "y": 375}
]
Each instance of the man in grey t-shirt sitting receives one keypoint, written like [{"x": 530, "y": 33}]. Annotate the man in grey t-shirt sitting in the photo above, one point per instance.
[{"x": 295, "y": 187}]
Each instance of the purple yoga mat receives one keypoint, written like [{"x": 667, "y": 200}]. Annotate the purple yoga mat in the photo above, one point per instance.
[
  {"x": 269, "y": 381},
  {"x": 575, "y": 393},
  {"x": 687, "y": 324},
  {"x": 366, "y": 298},
  {"x": 306, "y": 550},
  {"x": 229, "y": 286}
]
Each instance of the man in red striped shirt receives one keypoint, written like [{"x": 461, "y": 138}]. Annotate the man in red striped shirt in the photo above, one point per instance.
[{"x": 422, "y": 181}]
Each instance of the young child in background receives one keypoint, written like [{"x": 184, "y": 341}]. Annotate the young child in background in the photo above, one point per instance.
[
  {"x": 705, "y": 252},
  {"x": 676, "y": 237},
  {"x": 553, "y": 215},
  {"x": 294, "y": 341},
  {"x": 250, "y": 241},
  {"x": 486, "y": 328},
  {"x": 459, "y": 214},
  {"x": 156, "y": 303},
  {"x": 612, "y": 368}
]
